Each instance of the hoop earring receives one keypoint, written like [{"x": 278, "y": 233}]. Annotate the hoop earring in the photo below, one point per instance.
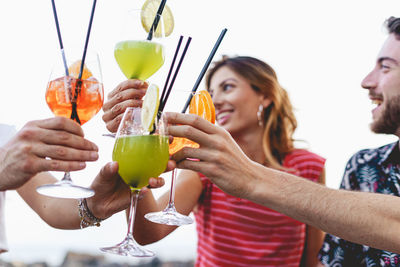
[{"x": 259, "y": 115}]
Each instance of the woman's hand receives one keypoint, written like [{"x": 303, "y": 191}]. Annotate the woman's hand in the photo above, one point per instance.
[
  {"x": 127, "y": 94},
  {"x": 112, "y": 194}
]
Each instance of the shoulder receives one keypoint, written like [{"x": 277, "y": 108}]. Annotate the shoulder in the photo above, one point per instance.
[
  {"x": 305, "y": 163},
  {"x": 303, "y": 156},
  {"x": 371, "y": 155}
]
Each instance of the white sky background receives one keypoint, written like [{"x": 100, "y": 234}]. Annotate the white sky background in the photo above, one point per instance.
[{"x": 321, "y": 50}]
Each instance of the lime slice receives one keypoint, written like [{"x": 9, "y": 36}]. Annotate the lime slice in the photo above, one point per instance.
[
  {"x": 148, "y": 13},
  {"x": 150, "y": 107}
]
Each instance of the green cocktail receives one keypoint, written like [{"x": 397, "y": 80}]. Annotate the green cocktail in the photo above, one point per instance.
[
  {"x": 139, "y": 59},
  {"x": 140, "y": 157}
]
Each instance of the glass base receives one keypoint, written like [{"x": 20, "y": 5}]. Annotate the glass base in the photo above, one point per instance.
[
  {"x": 169, "y": 216},
  {"x": 65, "y": 189},
  {"x": 129, "y": 247}
]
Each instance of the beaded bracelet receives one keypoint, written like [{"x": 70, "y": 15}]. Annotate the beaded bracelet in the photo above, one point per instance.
[{"x": 86, "y": 216}]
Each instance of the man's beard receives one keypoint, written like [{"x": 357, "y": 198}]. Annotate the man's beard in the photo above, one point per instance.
[{"x": 389, "y": 121}]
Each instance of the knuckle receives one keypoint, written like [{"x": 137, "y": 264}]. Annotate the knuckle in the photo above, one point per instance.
[
  {"x": 63, "y": 136},
  {"x": 28, "y": 165},
  {"x": 59, "y": 122},
  {"x": 119, "y": 97},
  {"x": 54, "y": 164},
  {"x": 26, "y": 148},
  {"x": 26, "y": 133},
  {"x": 60, "y": 152},
  {"x": 116, "y": 109},
  {"x": 133, "y": 103},
  {"x": 187, "y": 130}
]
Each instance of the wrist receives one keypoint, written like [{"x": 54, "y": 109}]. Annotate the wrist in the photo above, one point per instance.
[{"x": 86, "y": 216}]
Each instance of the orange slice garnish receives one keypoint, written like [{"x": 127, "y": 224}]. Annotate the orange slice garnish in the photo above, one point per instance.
[
  {"x": 202, "y": 105},
  {"x": 76, "y": 67}
]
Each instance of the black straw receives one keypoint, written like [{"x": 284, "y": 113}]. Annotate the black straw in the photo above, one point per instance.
[
  {"x": 156, "y": 19},
  {"x": 170, "y": 69},
  {"x": 161, "y": 107},
  {"x": 59, "y": 38},
  {"x": 74, "y": 113},
  {"x": 205, "y": 67},
  {"x": 87, "y": 39}
]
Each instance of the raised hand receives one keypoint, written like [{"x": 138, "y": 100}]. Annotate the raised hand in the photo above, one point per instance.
[
  {"x": 219, "y": 157},
  {"x": 112, "y": 194},
  {"x": 55, "y": 144},
  {"x": 127, "y": 94}
]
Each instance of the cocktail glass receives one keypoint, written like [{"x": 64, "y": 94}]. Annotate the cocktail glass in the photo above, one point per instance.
[
  {"x": 77, "y": 99},
  {"x": 140, "y": 155},
  {"x": 202, "y": 106},
  {"x": 137, "y": 57}
]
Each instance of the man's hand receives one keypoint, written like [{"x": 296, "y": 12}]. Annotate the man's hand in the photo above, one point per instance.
[
  {"x": 55, "y": 144},
  {"x": 219, "y": 157}
]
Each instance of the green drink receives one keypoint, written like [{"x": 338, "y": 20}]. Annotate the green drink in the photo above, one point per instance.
[
  {"x": 139, "y": 59},
  {"x": 140, "y": 157}
]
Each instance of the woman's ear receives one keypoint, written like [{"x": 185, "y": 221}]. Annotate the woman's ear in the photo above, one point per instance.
[{"x": 266, "y": 102}]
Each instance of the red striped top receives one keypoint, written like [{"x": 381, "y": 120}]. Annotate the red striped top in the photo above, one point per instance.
[{"x": 238, "y": 232}]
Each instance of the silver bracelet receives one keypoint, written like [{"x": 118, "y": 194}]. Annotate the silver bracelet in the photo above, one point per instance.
[{"x": 86, "y": 216}]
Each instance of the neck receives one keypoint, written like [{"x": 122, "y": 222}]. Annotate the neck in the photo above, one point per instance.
[{"x": 251, "y": 144}]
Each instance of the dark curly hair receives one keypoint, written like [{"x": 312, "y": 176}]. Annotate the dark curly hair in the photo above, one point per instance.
[{"x": 393, "y": 26}]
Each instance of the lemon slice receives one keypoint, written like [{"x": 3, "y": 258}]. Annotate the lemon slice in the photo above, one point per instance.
[
  {"x": 148, "y": 13},
  {"x": 150, "y": 107}
]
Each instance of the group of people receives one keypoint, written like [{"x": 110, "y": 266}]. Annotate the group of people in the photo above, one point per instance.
[{"x": 257, "y": 199}]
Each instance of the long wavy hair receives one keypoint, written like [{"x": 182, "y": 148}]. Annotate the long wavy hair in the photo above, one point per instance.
[{"x": 279, "y": 121}]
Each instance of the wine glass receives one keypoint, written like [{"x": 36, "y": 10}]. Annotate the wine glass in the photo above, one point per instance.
[
  {"x": 77, "y": 98},
  {"x": 137, "y": 57},
  {"x": 140, "y": 155},
  {"x": 201, "y": 105}
]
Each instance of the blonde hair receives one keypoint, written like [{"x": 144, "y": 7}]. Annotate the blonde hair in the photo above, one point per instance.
[{"x": 279, "y": 121}]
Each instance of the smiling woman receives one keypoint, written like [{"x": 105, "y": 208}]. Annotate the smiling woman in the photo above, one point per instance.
[{"x": 252, "y": 106}]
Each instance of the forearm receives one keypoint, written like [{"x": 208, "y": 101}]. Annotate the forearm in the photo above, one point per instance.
[
  {"x": 57, "y": 212},
  {"x": 146, "y": 232},
  {"x": 365, "y": 218}
]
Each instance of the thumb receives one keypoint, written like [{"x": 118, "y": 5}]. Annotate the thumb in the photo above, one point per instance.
[{"x": 110, "y": 169}]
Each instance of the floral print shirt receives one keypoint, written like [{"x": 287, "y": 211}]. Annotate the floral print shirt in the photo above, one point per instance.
[{"x": 369, "y": 170}]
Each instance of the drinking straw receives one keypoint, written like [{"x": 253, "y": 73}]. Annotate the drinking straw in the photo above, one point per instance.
[
  {"x": 156, "y": 19},
  {"x": 74, "y": 113},
  {"x": 170, "y": 69},
  {"x": 59, "y": 38},
  {"x": 203, "y": 71},
  {"x": 161, "y": 108},
  {"x": 87, "y": 39}
]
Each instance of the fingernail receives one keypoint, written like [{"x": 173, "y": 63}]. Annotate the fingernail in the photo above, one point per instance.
[
  {"x": 94, "y": 155},
  {"x": 82, "y": 164}
]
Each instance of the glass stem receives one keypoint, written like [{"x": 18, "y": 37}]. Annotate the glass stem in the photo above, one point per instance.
[
  {"x": 132, "y": 212},
  {"x": 171, "y": 203},
  {"x": 67, "y": 177}
]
